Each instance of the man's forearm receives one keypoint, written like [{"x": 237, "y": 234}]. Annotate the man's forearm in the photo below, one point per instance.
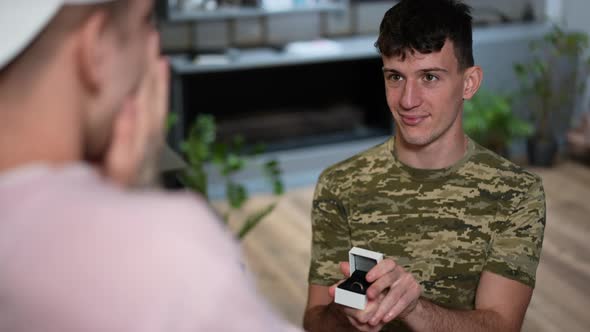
[
  {"x": 430, "y": 317},
  {"x": 326, "y": 318}
]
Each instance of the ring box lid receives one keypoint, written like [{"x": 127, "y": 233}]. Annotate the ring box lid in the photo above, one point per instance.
[{"x": 363, "y": 259}]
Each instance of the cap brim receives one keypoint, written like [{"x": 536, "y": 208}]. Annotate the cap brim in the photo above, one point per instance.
[{"x": 21, "y": 23}]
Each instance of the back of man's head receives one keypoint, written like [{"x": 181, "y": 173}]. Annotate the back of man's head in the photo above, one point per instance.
[
  {"x": 30, "y": 30},
  {"x": 424, "y": 26},
  {"x": 72, "y": 74}
]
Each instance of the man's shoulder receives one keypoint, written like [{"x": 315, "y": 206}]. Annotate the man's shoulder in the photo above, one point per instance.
[
  {"x": 99, "y": 205},
  {"x": 156, "y": 211},
  {"x": 155, "y": 202},
  {"x": 366, "y": 162},
  {"x": 497, "y": 173},
  {"x": 180, "y": 224},
  {"x": 102, "y": 199}
]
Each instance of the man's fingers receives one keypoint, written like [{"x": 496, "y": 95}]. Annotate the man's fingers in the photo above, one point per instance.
[
  {"x": 154, "y": 45},
  {"x": 357, "y": 325},
  {"x": 406, "y": 302},
  {"x": 345, "y": 268},
  {"x": 384, "y": 267},
  {"x": 363, "y": 316},
  {"x": 122, "y": 147},
  {"x": 139, "y": 127},
  {"x": 154, "y": 91},
  {"x": 391, "y": 298},
  {"x": 364, "y": 327},
  {"x": 383, "y": 283},
  {"x": 395, "y": 310},
  {"x": 332, "y": 289}
]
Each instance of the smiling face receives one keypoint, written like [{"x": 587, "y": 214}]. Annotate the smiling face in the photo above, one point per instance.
[{"x": 425, "y": 95}]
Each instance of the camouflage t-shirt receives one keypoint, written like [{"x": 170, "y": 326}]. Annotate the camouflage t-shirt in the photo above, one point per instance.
[{"x": 444, "y": 226}]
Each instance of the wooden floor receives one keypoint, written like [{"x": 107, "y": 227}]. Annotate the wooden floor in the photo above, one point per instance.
[{"x": 278, "y": 252}]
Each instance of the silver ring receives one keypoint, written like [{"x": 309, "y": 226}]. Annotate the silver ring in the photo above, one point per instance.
[{"x": 361, "y": 286}]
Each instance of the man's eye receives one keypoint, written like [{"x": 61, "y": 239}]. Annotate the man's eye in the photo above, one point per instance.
[
  {"x": 430, "y": 78},
  {"x": 395, "y": 77}
]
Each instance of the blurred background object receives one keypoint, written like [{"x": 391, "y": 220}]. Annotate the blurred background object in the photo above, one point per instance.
[
  {"x": 578, "y": 139},
  {"x": 551, "y": 84},
  {"x": 206, "y": 154},
  {"x": 488, "y": 119}
]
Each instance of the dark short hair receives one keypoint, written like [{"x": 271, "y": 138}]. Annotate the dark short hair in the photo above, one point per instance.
[{"x": 423, "y": 26}]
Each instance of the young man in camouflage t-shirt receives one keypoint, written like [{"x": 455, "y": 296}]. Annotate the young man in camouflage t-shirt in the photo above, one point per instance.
[{"x": 461, "y": 227}]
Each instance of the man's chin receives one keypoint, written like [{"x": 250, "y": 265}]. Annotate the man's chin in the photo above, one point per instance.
[{"x": 415, "y": 141}]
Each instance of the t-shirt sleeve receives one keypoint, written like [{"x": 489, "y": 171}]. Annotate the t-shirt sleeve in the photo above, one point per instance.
[
  {"x": 516, "y": 249},
  {"x": 330, "y": 235}
]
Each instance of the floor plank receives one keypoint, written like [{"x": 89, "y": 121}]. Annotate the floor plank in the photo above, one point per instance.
[{"x": 278, "y": 251}]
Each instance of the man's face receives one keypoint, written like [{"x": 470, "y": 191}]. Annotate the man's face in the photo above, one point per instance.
[
  {"x": 125, "y": 65},
  {"x": 129, "y": 62},
  {"x": 425, "y": 96}
]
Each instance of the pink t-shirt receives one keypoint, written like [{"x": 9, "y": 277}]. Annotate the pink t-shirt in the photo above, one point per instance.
[{"x": 78, "y": 254}]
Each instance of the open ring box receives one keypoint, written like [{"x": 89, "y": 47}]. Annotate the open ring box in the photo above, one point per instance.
[{"x": 353, "y": 291}]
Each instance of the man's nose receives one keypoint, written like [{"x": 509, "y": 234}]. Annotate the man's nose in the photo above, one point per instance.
[{"x": 411, "y": 96}]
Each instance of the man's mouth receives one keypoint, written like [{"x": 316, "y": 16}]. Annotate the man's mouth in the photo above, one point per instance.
[{"x": 412, "y": 120}]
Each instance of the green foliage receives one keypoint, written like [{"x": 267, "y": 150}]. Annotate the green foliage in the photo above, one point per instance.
[
  {"x": 273, "y": 172},
  {"x": 202, "y": 151},
  {"x": 170, "y": 121},
  {"x": 554, "y": 92},
  {"x": 489, "y": 120},
  {"x": 254, "y": 219}
]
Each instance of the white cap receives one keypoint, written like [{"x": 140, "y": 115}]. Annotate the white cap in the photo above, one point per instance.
[{"x": 21, "y": 21}]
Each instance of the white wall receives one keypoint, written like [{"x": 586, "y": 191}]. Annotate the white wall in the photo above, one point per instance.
[
  {"x": 575, "y": 17},
  {"x": 575, "y": 14}
]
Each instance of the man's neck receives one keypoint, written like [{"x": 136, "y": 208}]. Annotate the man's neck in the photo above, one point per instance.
[
  {"x": 442, "y": 153},
  {"x": 43, "y": 127}
]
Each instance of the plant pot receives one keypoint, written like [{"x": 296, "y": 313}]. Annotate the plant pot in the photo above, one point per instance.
[{"x": 541, "y": 151}]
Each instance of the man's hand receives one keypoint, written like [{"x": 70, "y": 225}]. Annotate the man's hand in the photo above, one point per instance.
[
  {"x": 358, "y": 318},
  {"x": 393, "y": 294},
  {"x": 403, "y": 291},
  {"x": 139, "y": 127}
]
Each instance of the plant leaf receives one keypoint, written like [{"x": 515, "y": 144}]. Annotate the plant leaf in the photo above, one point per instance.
[
  {"x": 171, "y": 120},
  {"x": 236, "y": 194},
  {"x": 255, "y": 218},
  {"x": 196, "y": 180}
]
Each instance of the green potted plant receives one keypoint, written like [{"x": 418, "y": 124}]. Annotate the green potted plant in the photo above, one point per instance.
[
  {"x": 553, "y": 81},
  {"x": 489, "y": 120},
  {"x": 204, "y": 153}
]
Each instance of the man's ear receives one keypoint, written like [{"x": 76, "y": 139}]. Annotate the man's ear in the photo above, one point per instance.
[
  {"x": 472, "y": 79},
  {"x": 93, "y": 51}
]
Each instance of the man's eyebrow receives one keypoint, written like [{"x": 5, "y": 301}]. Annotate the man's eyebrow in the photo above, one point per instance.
[
  {"x": 425, "y": 70},
  {"x": 389, "y": 70}
]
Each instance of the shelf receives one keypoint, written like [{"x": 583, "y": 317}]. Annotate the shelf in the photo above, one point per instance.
[
  {"x": 340, "y": 49},
  {"x": 177, "y": 16},
  {"x": 350, "y": 48}
]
